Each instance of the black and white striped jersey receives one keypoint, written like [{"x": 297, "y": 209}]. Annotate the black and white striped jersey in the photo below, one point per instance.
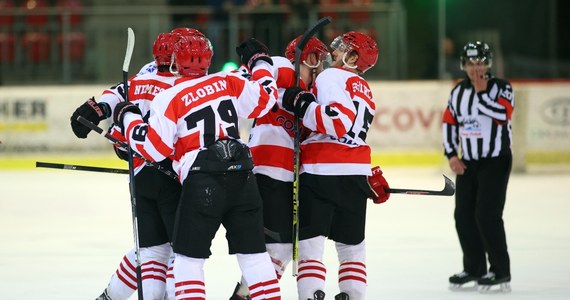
[{"x": 478, "y": 125}]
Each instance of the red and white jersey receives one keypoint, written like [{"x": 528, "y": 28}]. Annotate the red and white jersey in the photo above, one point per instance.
[
  {"x": 271, "y": 137},
  {"x": 197, "y": 111},
  {"x": 142, "y": 91},
  {"x": 340, "y": 121}
]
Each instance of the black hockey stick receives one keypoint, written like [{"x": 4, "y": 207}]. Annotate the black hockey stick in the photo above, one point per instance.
[
  {"x": 40, "y": 164},
  {"x": 296, "y": 146},
  {"x": 448, "y": 190},
  {"x": 100, "y": 131},
  {"x": 126, "y": 63}
]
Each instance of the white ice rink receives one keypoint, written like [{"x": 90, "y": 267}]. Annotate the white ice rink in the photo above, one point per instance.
[{"x": 63, "y": 234}]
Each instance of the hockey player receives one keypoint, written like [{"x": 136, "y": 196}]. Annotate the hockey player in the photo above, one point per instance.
[
  {"x": 271, "y": 144},
  {"x": 477, "y": 136},
  {"x": 335, "y": 163},
  {"x": 157, "y": 194},
  {"x": 197, "y": 122}
]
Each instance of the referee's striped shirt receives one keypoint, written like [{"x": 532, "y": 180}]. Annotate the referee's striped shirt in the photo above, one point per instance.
[{"x": 478, "y": 125}]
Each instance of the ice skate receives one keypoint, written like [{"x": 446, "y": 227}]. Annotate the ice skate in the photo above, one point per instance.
[
  {"x": 342, "y": 296},
  {"x": 236, "y": 294},
  {"x": 488, "y": 283},
  {"x": 458, "y": 281},
  {"x": 103, "y": 296},
  {"x": 318, "y": 295}
]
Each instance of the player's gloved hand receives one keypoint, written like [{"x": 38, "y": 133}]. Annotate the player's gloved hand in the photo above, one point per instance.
[
  {"x": 251, "y": 51},
  {"x": 379, "y": 187},
  {"x": 121, "y": 152},
  {"x": 92, "y": 111},
  {"x": 119, "y": 114},
  {"x": 297, "y": 100}
]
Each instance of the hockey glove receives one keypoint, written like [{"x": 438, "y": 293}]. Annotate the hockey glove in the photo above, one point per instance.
[
  {"x": 379, "y": 187},
  {"x": 92, "y": 111},
  {"x": 251, "y": 51},
  {"x": 297, "y": 100},
  {"x": 120, "y": 110}
]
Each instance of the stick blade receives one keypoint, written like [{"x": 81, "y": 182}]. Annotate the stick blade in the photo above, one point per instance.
[
  {"x": 449, "y": 188},
  {"x": 130, "y": 47}
]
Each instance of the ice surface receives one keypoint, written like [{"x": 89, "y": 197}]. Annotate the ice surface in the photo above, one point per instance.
[{"x": 64, "y": 232}]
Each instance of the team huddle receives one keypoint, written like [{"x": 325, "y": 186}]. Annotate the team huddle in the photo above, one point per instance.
[{"x": 180, "y": 115}]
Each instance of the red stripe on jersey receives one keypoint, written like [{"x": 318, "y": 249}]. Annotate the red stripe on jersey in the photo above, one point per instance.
[
  {"x": 319, "y": 120},
  {"x": 260, "y": 73},
  {"x": 186, "y": 144},
  {"x": 448, "y": 117},
  {"x": 339, "y": 127},
  {"x": 146, "y": 89},
  {"x": 157, "y": 142},
  {"x": 285, "y": 77},
  {"x": 504, "y": 102},
  {"x": 315, "y": 153},
  {"x": 357, "y": 86},
  {"x": 194, "y": 95},
  {"x": 274, "y": 156}
]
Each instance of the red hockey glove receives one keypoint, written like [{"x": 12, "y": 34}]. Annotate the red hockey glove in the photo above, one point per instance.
[{"x": 379, "y": 187}]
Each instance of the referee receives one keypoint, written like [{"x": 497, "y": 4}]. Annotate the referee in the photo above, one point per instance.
[{"x": 477, "y": 142}]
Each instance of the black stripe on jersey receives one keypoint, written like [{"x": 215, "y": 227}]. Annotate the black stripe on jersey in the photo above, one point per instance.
[
  {"x": 479, "y": 148},
  {"x": 458, "y": 99},
  {"x": 471, "y": 99},
  {"x": 494, "y": 128},
  {"x": 469, "y": 150}
]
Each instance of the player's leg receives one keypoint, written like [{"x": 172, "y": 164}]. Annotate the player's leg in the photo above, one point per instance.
[
  {"x": 243, "y": 221},
  {"x": 474, "y": 258},
  {"x": 153, "y": 235},
  {"x": 123, "y": 283},
  {"x": 494, "y": 177},
  {"x": 347, "y": 230},
  {"x": 316, "y": 209},
  {"x": 199, "y": 216}
]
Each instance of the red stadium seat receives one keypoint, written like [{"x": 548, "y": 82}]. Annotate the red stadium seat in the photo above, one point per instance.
[
  {"x": 37, "y": 46},
  {"x": 34, "y": 16},
  {"x": 75, "y": 8},
  {"x": 6, "y": 21},
  {"x": 7, "y": 47},
  {"x": 76, "y": 43}
]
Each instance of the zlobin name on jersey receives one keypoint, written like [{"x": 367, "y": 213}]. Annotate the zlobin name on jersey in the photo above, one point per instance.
[{"x": 204, "y": 91}]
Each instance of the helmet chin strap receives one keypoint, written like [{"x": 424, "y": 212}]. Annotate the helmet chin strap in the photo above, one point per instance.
[
  {"x": 172, "y": 69},
  {"x": 345, "y": 64}
]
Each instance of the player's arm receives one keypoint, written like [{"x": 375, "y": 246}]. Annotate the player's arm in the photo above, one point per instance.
[
  {"x": 335, "y": 118},
  {"x": 499, "y": 108}
]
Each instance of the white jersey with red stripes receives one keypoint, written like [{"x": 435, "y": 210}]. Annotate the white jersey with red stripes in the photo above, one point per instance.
[
  {"x": 197, "y": 111},
  {"x": 271, "y": 137},
  {"x": 142, "y": 90},
  {"x": 340, "y": 121}
]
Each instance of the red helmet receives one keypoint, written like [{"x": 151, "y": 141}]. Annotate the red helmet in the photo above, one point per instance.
[
  {"x": 192, "y": 55},
  {"x": 363, "y": 45},
  {"x": 187, "y": 31},
  {"x": 163, "y": 47},
  {"x": 314, "y": 45}
]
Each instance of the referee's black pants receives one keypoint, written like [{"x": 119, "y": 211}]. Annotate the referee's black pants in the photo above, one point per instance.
[{"x": 479, "y": 202}]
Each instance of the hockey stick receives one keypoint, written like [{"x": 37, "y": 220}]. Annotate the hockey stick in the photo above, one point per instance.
[
  {"x": 296, "y": 146},
  {"x": 40, "y": 164},
  {"x": 448, "y": 190},
  {"x": 100, "y": 131},
  {"x": 126, "y": 63}
]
